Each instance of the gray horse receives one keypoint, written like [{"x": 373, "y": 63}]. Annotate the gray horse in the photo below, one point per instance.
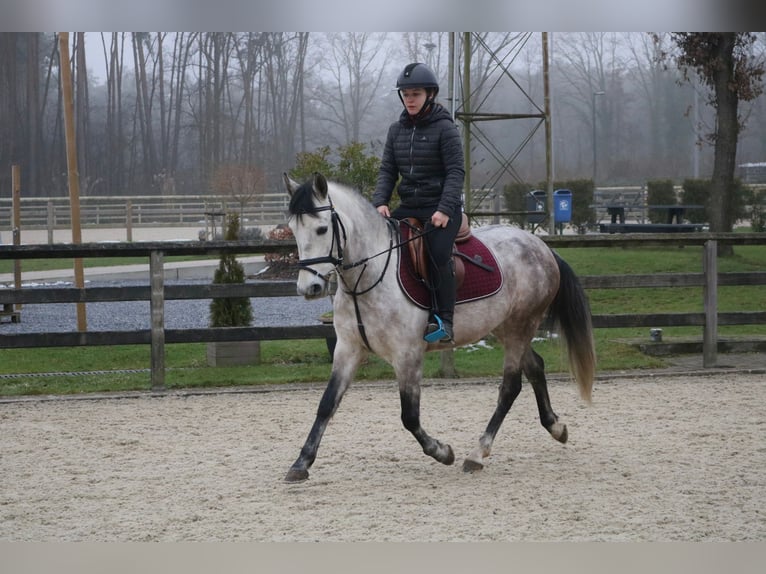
[{"x": 338, "y": 232}]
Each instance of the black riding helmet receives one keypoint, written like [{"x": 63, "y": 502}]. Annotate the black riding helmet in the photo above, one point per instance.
[{"x": 418, "y": 75}]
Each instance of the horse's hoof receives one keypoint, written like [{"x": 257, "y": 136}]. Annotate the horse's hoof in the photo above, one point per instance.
[
  {"x": 471, "y": 465},
  {"x": 450, "y": 458},
  {"x": 297, "y": 475},
  {"x": 559, "y": 432}
]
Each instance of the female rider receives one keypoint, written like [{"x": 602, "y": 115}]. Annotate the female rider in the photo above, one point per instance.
[{"x": 424, "y": 154}]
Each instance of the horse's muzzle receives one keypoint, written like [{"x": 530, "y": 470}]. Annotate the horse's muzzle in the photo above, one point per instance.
[{"x": 311, "y": 286}]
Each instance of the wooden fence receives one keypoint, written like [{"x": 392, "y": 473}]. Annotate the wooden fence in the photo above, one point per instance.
[
  {"x": 157, "y": 292},
  {"x": 140, "y": 211}
]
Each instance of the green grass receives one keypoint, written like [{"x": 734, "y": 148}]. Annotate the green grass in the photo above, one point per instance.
[
  {"x": 281, "y": 362},
  {"x": 309, "y": 361}
]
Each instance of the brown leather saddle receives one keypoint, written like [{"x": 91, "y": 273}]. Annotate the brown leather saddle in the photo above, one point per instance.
[{"x": 419, "y": 255}]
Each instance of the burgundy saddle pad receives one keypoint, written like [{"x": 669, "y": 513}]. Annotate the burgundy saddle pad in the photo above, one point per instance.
[{"x": 478, "y": 283}]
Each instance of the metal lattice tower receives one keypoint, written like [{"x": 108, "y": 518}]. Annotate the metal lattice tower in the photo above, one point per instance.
[{"x": 477, "y": 69}]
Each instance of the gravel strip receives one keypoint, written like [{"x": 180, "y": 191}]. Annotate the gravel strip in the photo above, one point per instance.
[{"x": 179, "y": 314}]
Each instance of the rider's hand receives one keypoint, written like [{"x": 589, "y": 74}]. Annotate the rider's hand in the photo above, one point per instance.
[
  {"x": 439, "y": 219},
  {"x": 384, "y": 211}
]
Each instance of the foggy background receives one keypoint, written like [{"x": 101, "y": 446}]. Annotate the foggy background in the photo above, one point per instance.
[{"x": 160, "y": 112}]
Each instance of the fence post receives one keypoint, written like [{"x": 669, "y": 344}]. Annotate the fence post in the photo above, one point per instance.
[
  {"x": 157, "y": 312},
  {"x": 129, "y": 219},
  {"x": 16, "y": 208},
  {"x": 710, "y": 295},
  {"x": 50, "y": 221},
  {"x": 447, "y": 364}
]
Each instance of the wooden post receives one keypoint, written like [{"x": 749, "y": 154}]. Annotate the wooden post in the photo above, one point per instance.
[
  {"x": 51, "y": 221},
  {"x": 447, "y": 364},
  {"x": 129, "y": 220},
  {"x": 72, "y": 170},
  {"x": 16, "y": 186},
  {"x": 157, "y": 312},
  {"x": 710, "y": 295}
]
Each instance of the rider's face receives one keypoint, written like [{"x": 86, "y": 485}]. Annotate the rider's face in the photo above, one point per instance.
[{"x": 413, "y": 99}]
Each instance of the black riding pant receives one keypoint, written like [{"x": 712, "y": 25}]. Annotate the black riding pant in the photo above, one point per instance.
[{"x": 439, "y": 242}]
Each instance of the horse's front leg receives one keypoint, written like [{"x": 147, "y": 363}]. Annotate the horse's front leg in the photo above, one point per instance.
[
  {"x": 344, "y": 366},
  {"x": 409, "y": 393}
]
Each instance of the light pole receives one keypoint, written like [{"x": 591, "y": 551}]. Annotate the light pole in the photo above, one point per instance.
[
  {"x": 593, "y": 116},
  {"x": 430, "y": 47}
]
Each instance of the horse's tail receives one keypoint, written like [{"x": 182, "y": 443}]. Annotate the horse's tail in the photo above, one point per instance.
[{"x": 570, "y": 310}]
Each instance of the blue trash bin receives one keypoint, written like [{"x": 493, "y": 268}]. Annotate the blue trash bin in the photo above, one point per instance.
[{"x": 562, "y": 206}]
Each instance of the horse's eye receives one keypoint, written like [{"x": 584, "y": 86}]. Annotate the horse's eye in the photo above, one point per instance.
[{"x": 322, "y": 230}]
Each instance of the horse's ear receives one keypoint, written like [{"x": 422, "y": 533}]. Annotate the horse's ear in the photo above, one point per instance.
[
  {"x": 320, "y": 185},
  {"x": 289, "y": 184}
]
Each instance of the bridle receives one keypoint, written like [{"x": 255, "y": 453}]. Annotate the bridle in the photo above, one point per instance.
[
  {"x": 338, "y": 230},
  {"x": 336, "y": 258}
]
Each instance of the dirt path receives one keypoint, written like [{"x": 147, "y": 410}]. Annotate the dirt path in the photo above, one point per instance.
[{"x": 676, "y": 459}]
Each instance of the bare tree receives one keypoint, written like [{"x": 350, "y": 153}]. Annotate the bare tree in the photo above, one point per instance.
[
  {"x": 250, "y": 64},
  {"x": 355, "y": 62},
  {"x": 178, "y": 88},
  {"x": 113, "y": 60},
  {"x": 144, "y": 109},
  {"x": 239, "y": 182},
  {"x": 593, "y": 69},
  {"x": 284, "y": 67},
  {"x": 174, "y": 107},
  {"x": 34, "y": 111}
]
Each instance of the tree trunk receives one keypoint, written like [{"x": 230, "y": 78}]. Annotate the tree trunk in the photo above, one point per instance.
[
  {"x": 726, "y": 135},
  {"x": 33, "y": 114},
  {"x": 82, "y": 107},
  {"x": 144, "y": 112}
]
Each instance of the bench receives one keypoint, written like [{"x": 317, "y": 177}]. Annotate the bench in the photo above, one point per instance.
[
  {"x": 616, "y": 203},
  {"x": 650, "y": 227}
]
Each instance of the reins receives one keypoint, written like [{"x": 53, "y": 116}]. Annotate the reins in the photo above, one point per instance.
[{"x": 337, "y": 261}]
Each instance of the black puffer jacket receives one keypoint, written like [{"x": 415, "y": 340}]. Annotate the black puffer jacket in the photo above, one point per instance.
[{"x": 428, "y": 154}]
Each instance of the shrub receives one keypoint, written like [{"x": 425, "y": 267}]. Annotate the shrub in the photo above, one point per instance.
[
  {"x": 660, "y": 192},
  {"x": 697, "y": 191},
  {"x": 230, "y": 311},
  {"x": 583, "y": 215},
  {"x": 758, "y": 210},
  {"x": 280, "y": 262},
  {"x": 515, "y": 195}
]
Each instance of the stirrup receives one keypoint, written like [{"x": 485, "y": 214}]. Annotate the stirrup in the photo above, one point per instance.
[{"x": 440, "y": 334}]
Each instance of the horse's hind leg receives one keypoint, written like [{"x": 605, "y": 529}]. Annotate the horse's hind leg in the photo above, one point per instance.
[
  {"x": 509, "y": 390},
  {"x": 534, "y": 368},
  {"x": 409, "y": 394}
]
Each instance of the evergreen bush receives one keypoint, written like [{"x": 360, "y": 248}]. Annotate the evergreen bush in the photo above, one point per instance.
[
  {"x": 230, "y": 311},
  {"x": 660, "y": 192}
]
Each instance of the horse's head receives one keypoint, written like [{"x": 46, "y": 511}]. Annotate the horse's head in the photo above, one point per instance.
[{"x": 317, "y": 232}]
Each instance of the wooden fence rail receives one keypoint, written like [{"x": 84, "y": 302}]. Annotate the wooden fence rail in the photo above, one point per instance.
[
  {"x": 140, "y": 211},
  {"x": 157, "y": 292}
]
